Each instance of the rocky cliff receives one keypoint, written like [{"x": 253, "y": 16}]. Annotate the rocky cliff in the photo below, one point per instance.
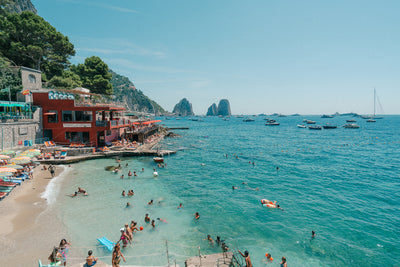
[
  {"x": 134, "y": 99},
  {"x": 212, "y": 110},
  {"x": 224, "y": 108},
  {"x": 183, "y": 108},
  {"x": 19, "y": 6}
]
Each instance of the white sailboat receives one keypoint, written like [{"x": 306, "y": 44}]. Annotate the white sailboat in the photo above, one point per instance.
[{"x": 372, "y": 119}]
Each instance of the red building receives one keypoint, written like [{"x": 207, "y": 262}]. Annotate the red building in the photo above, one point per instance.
[{"x": 66, "y": 121}]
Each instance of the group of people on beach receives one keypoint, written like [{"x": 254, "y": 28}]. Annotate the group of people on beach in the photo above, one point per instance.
[{"x": 59, "y": 254}]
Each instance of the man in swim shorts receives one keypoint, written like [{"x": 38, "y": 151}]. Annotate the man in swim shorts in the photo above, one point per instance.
[{"x": 247, "y": 258}]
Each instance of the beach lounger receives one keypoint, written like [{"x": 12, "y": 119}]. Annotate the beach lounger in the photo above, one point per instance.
[
  {"x": 57, "y": 154},
  {"x": 52, "y": 143},
  {"x": 3, "y": 195},
  {"x": 47, "y": 144},
  {"x": 63, "y": 154},
  {"x": 49, "y": 265}
]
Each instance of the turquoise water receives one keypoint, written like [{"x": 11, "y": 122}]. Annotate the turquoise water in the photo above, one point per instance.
[{"x": 341, "y": 183}]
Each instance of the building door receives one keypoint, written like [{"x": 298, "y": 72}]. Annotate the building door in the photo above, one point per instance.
[
  {"x": 101, "y": 139},
  {"x": 48, "y": 133}
]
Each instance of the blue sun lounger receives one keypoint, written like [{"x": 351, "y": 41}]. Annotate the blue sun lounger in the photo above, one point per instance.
[{"x": 107, "y": 243}]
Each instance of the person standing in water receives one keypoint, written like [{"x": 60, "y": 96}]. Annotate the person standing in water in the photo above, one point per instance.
[
  {"x": 283, "y": 263},
  {"x": 246, "y": 256},
  {"x": 116, "y": 256}
]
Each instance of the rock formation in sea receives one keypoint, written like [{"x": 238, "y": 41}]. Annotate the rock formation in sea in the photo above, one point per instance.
[
  {"x": 224, "y": 108},
  {"x": 212, "y": 110},
  {"x": 183, "y": 108}
]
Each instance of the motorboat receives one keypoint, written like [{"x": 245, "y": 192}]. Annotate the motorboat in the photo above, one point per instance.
[
  {"x": 301, "y": 126},
  {"x": 158, "y": 159},
  {"x": 272, "y": 123},
  {"x": 248, "y": 120},
  {"x": 328, "y": 126},
  {"x": 351, "y": 126},
  {"x": 315, "y": 127}
]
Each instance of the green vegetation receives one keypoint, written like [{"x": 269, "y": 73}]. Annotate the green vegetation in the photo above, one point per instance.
[
  {"x": 32, "y": 42},
  {"x": 125, "y": 91},
  {"x": 26, "y": 39},
  {"x": 95, "y": 75},
  {"x": 8, "y": 80}
]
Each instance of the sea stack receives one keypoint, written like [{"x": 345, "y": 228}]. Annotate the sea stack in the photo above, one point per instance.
[
  {"x": 212, "y": 110},
  {"x": 224, "y": 108},
  {"x": 183, "y": 108}
]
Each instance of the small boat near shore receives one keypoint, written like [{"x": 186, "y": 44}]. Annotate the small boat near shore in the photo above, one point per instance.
[
  {"x": 272, "y": 123},
  {"x": 301, "y": 126},
  {"x": 351, "y": 126},
  {"x": 310, "y": 122},
  {"x": 248, "y": 120},
  {"x": 350, "y": 120},
  {"x": 158, "y": 159},
  {"x": 328, "y": 126},
  {"x": 315, "y": 127}
]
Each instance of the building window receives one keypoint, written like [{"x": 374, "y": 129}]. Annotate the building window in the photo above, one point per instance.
[
  {"x": 82, "y": 137},
  {"x": 108, "y": 132},
  {"x": 67, "y": 115},
  {"x": 83, "y": 115},
  {"x": 32, "y": 78},
  {"x": 53, "y": 116}
]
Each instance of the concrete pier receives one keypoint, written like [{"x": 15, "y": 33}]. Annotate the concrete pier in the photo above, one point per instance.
[{"x": 213, "y": 260}]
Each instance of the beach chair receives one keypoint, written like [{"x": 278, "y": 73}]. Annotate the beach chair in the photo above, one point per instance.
[
  {"x": 47, "y": 156},
  {"x": 52, "y": 143},
  {"x": 63, "y": 154},
  {"x": 57, "y": 155},
  {"x": 41, "y": 156},
  {"x": 47, "y": 144}
]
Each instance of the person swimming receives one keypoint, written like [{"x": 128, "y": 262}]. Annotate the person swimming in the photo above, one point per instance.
[
  {"x": 123, "y": 193},
  {"x": 147, "y": 218},
  {"x": 197, "y": 216},
  {"x": 180, "y": 206},
  {"x": 82, "y": 191},
  {"x": 150, "y": 202}
]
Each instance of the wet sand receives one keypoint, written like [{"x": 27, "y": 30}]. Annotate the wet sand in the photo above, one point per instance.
[{"x": 28, "y": 229}]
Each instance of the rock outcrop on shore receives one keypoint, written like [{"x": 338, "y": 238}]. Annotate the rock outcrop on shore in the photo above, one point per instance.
[
  {"x": 212, "y": 110},
  {"x": 183, "y": 108}
]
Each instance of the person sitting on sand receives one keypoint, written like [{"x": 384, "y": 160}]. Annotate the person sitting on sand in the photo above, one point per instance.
[
  {"x": 90, "y": 260},
  {"x": 147, "y": 218},
  {"x": 82, "y": 191},
  {"x": 55, "y": 257}
]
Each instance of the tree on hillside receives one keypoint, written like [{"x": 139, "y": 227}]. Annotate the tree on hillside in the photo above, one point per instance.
[
  {"x": 94, "y": 74},
  {"x": 28, "y": 40},
  {"x": 67, "y": 80},
  {"x": 10, "y": 82}
]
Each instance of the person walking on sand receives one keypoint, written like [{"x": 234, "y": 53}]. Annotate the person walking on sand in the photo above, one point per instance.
[
  {"x": 90, "y": 260},
  {"x": 247, "y": 258},
  {"x": 63, "y": 248},
  {"x": 116, "y": 256}
]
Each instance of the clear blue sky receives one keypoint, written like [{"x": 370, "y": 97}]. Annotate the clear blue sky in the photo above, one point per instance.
[{"x": 265, "y": 56}]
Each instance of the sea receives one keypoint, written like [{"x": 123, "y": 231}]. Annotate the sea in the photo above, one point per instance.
[{"x": 344, "y": 184}]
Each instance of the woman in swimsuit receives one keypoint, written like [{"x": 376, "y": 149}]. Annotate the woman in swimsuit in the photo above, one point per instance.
[
  {"x": 124, "y": 237},
  {"x": 116, "y": 256},
  {"x": 64, "y": 248},
  {"x": 283, "y": 263}
]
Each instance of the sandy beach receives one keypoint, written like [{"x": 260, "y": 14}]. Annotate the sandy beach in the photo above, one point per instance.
[{"x": 28, "y": 229}]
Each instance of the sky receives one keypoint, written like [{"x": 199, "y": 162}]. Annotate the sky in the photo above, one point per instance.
[{"x": 264, "y": 56}]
